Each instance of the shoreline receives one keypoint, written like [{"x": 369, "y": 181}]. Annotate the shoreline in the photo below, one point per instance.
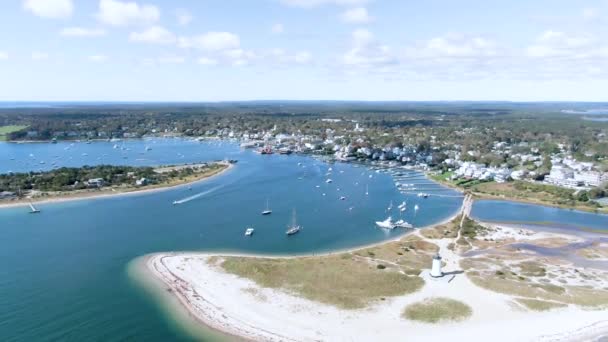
[
  {"x": 214, "y": 299},
  {"x": 109, "y": 193},
  {"x": 485, "y": 196}
]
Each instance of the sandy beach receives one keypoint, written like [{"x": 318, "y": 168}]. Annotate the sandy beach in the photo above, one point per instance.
[
  {"x": 108, "y": 193},
  {"x": 239, "y": 307}
]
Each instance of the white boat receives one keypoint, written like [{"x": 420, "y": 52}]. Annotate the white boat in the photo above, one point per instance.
[
  {"x": 249, "y": 231},
  {"x": 366, "y": 189},
  {"x": 294, "y": 228},
  {"x": 328, "y": 181},
  {"x": 175, "y": 202},
  {"x": 33, "y": 210},
  {"x": 402, "y": 205},
  {"x": 423, "y": 195},
  {"x": 342, "y": 198},
  {"x": 267, "y": 211},
  {"x": 416, "y": 207},
  {"x": 390, "y": 206},
  {"x": 386, "y": 224},
  {"x": 403, "y": 224}
]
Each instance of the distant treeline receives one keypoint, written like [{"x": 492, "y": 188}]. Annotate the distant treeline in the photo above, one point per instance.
[{"x": 432, "y": 125}]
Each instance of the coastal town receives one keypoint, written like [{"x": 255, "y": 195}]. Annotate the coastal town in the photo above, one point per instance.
[{"x": 455, "y": 160}]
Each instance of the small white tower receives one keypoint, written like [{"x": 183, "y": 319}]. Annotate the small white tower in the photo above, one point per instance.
[{"x": 436, "y": 269}]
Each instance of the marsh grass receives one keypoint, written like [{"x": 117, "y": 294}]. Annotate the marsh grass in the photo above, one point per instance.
[
  {"x": 347, "y": 283},
  {"x": 437, "y": 309}
]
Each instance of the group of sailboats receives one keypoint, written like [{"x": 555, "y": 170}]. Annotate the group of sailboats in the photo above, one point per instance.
[
  {"x": 292, "y": 228},
  {"x": 388, "y": 223}
]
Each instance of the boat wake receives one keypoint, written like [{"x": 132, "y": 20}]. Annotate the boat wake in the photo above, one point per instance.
[{"x": 195, "y": 196}]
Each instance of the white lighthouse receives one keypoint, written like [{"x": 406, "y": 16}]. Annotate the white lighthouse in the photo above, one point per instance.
[{"x": 436, "y": 268}]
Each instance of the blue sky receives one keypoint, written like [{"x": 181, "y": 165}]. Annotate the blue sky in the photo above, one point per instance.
[{"x": 217, "y": 50}]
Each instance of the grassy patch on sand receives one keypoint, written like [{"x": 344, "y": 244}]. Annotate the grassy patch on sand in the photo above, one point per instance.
[
  {"x": 507, "y": 282},
  {"x": 6, "y": 130},
  {"x": 447, "y": 230},
  {"x": 437, "y": 309},
  {"x": 344, "y": 280},
  {"x": 539, "y": 305}
]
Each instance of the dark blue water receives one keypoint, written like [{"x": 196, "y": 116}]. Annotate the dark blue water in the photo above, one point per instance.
[
  {"x": 64, "y": 270},
  {"x": 45, "y": 156}
]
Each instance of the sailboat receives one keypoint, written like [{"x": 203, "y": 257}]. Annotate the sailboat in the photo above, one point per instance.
[
  {"x": 390, "y": 206},
  {"x": 366, "y": 189},
  {"x": 267, "y": 211},
  {"x": 34, "y": 210},
  {"x": 294, "y": 228}
]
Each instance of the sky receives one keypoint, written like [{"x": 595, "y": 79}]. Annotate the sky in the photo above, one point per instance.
[{"x": 368, "y": 50}]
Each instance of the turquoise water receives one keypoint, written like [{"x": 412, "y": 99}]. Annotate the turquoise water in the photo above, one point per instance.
[{"x": 64, "y": 273}]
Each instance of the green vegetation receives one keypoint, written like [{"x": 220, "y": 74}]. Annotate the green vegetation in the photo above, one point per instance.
[
  {"x": 437, "y": 309},
  {"x": 5, "y": 131},
  {"x": 536, "y": 193},
  {"x": 345, "y": 280},
  {"x": 529, "y": 283},
  {"x": 70, "y": 179},
  {"x": 539, "y": 305}
]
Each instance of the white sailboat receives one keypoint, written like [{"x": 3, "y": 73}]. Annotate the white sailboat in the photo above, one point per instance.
[
  {"x": 34, "y": 210},
  {"x": 390, "y": 206},
  {"x": 267, "y": 211},
  {"x": 294, "y": 228}
]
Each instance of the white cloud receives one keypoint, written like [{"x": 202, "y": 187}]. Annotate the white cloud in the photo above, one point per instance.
[
  {"x": 280, "y": 56},
  {"x": 590, "y": 13},
  {"x": 82, "y": 32},
  {"x": 207, "y": 61},
  {"x": 98, "y": 58},
  {"x": 55, "y": 9},
  {"x": 39, "y": 56},
  {"x": 367, "y": 52},
  {"x": 183, "y": 16},
  {"x": 357, "y": 15},
  {"x": 317, "y": 3},
  {"x": 277, "y": 28},
  {"x": 454, "y": 45},
  {"x": 169, "y": 59},
  {"x": 211, "y": 41},
  {"x": 118, "y": 13},
  {"x": 559, "y": 44},
  {"x": 153, "y": 35},
  {"x": 3, "y": 55}
]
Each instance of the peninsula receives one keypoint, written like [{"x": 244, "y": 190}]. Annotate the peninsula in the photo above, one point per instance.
[
  {"x": 64, "y": 184},
  {"x": 490, "y": 284}
]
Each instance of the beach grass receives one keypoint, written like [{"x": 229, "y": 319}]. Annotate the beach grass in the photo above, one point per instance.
[
  {"x": 539, "y": 305},
  {"x": 522, "y": 287},
  {"x": 437, "y": 309},
  {"x": 6, "y": 130},
  {"x": 343, "y": 280}
]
